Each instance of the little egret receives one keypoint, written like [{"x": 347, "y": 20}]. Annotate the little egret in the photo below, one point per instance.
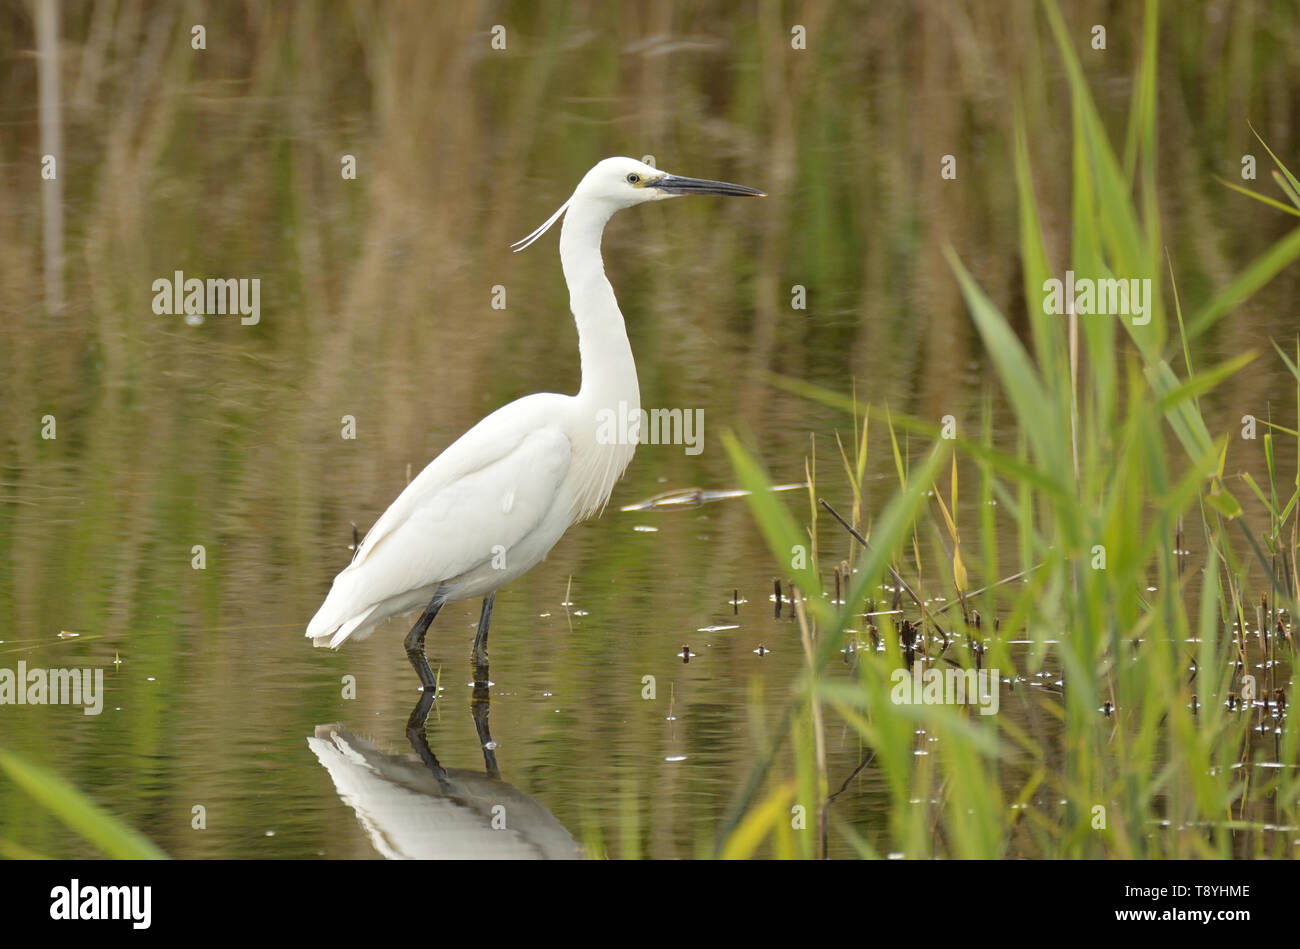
[{"x": 497, "y": 500}]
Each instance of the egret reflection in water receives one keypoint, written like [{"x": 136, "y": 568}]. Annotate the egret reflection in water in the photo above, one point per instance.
[{"x": 415, "y": 809}]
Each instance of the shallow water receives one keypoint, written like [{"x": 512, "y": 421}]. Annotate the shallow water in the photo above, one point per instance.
[{"x": 377, "y": 305}]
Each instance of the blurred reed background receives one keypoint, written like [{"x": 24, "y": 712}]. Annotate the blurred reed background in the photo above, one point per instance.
[{"x": 376, "y": 304}]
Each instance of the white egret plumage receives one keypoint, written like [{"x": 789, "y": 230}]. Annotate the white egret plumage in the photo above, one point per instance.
[{"x": 495, "y": 502}]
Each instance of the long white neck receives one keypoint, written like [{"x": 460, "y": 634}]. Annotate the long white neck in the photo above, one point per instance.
[
  {"x": 608, "y": 370},
  {"x": 609, "y": 395}
]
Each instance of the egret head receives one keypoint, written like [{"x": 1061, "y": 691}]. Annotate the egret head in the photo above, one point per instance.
[
  {"x": 622, "y": 182},
  {"x": 626, "y": 181}
]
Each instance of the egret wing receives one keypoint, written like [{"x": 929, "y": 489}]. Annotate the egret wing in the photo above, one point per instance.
[
  {"x": 460, "y": 525},
  {"x": 476, "y": 518},
  {"x": 495, "y": 438}
]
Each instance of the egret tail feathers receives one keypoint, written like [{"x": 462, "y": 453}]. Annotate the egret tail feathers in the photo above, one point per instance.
[{"x": 335, "y": 635}]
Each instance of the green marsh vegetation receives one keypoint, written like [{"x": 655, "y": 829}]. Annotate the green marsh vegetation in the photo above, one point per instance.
[
  {"x": 227, "y": 163},
  {"x": 1169, "y": 619}
]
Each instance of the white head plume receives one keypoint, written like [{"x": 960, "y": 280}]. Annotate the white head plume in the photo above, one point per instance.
[{"x": 531, "y": 238}]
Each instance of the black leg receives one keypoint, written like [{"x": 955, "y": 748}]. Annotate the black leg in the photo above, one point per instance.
[
  {"x": 480, "y": 655},
  {"x": 415, "y": 644}
]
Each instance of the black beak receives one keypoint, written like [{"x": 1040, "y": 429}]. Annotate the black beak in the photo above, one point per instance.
[{"x": 675, "y": 185}]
